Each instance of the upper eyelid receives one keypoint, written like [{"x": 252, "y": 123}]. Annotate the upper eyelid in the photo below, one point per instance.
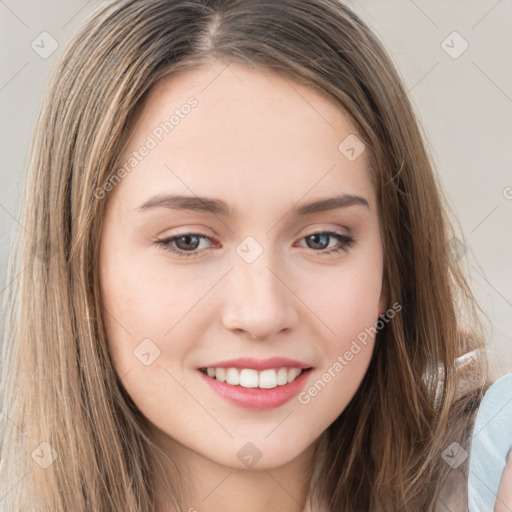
[
  {"x": 214, "y": 237},
  {"x": 172, "y": 238},
  {"x": 308, "y": 231}
]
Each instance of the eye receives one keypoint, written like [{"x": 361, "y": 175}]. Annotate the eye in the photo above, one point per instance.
[
  {"x": 319, "y": 238},
  {"x": 187, "y": 245}
]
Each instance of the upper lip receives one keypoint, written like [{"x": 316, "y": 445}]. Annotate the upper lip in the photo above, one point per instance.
[{"x": 259, "y": 364}]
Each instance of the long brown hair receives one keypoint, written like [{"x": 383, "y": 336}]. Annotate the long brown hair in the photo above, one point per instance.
[{"x": 383, "y": 453}]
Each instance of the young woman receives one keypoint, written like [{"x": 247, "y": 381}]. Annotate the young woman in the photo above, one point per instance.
[{"x": 235, "y": 284}]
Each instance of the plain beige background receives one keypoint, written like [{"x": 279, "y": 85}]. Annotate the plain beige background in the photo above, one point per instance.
[{"x": 455, "y": 59}]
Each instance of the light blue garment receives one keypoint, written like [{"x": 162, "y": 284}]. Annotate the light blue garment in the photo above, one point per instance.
[{"x": 490, "y": 444}]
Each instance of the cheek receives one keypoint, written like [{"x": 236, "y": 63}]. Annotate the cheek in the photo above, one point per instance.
[
  {"x": 346, "y": 298},
  {"x": 347, "y": 302},
  {"x": 146, "y": 310},
  {"x": 145, "y": 297},
  {"x": 349, "y": 312}
]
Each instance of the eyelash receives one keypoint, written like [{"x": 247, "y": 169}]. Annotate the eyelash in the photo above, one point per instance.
[{"x": 345, "y": 241}]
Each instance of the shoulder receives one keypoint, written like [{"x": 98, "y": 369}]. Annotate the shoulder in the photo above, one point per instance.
[{"x": 491, "y": 442}]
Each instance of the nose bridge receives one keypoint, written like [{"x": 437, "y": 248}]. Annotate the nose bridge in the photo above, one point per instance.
[
  {"x": 257, "y": 300},
  {"x": 256, "y": 280}
]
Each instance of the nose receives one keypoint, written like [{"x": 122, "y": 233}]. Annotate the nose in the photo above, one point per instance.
[{"x": 259, "y": 301}]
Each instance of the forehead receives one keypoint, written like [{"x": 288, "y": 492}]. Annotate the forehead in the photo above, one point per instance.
[
  {"x": 224, "y": 129},
  {"x": 232, "y": 91}
]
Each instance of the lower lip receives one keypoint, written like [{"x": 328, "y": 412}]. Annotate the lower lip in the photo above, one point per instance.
[{"x": 257, "y": 398}]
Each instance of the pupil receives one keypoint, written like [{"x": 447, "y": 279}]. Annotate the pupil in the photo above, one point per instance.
[
  {"x": 187, "y": 238},
  {"x": 316, "y": 237}
]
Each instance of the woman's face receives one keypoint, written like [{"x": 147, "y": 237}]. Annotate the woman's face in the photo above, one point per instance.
[{"x": 253, "y": 280}]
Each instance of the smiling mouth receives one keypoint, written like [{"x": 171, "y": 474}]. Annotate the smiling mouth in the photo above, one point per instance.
[{"x": 251, "y": 378}]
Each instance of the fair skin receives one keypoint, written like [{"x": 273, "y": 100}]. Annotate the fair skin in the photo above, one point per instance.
[
  {"x": 264, "y": 145},
  {"x": 504, "y": 500}
]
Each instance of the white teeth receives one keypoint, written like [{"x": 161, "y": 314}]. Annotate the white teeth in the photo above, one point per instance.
[
  {"x": 268, "y": 379},
  {"x": 292, "y": 374},
  {"x": 250, "y": 378},
  {"x": 282, "y": 376},
  {"x": 232, "y": 376}
]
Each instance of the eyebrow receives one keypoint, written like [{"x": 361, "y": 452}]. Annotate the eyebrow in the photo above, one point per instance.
[{"x": 219, "y": 207}]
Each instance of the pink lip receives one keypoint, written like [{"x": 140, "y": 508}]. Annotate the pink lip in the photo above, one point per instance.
[
  {"x": 259, "y": 364},
  {"x": 256, "y": 398}
]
